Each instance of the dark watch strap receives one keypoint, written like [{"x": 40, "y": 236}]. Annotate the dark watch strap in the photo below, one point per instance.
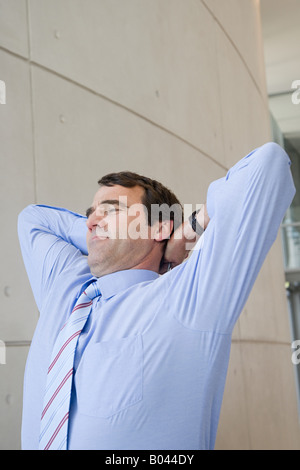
[{"x": 195, "y": 224}]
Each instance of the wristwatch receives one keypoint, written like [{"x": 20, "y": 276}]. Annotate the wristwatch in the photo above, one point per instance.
[{"x": 195, "y": 224}]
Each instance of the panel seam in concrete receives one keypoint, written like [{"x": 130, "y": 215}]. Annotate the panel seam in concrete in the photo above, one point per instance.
[
  {"x": 116, "y": 103},
  {"x": 131, "y": 111},
  {"x": 261, "y": 341},
  {"x": 31, "y": 103},
  {"x": 14, "y": 344},
  {"x": 264, "y": 98}
]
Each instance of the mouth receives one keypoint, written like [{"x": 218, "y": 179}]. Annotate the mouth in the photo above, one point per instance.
[{"x": 99, "y": 237}]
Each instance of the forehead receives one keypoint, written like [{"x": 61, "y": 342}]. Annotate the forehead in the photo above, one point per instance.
[{"x": 134, "y": 195}]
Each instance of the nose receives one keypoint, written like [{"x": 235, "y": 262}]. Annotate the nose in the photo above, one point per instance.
[
  {"x": 90, "y": 222},
  {"x": 94, "y": 220}
]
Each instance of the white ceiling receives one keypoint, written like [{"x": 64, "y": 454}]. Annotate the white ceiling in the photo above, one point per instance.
[{"x": 281, "y": 33}]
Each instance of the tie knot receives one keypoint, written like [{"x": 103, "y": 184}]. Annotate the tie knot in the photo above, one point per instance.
[{"x": 92, "y": 291}]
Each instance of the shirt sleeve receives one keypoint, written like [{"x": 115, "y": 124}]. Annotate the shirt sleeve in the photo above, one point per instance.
[
  {"x": 51, "y": 239},
  {"x": 245, "y": 208}
]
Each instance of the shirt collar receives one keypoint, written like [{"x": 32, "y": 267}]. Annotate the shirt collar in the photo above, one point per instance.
[{"x": 111, "y": 284}]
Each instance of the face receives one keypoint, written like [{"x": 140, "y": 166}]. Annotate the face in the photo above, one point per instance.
[{"x": 118, "y": 235}]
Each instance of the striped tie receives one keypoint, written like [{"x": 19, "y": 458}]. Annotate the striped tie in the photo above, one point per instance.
[{"x": 55, "y": 415}]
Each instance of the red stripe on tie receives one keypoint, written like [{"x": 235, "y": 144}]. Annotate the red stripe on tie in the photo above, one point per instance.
[
  {"x": 69, "y": 374},
  {"x": 65, "y": 418},
  {"x": 85, "y": 304},
  {"x": 76, "y": 308},
  {"x": 62, "y": 348}
]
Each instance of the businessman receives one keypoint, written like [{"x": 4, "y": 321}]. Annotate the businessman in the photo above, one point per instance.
[{"x": 128, "y": 354}]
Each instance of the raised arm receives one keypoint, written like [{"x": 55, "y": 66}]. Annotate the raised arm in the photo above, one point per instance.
[
  {"x": 245, "y": 210},
  {"x": 50, "y": 239}
]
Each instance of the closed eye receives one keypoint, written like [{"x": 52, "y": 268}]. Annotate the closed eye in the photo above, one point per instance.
[
  {"x": 89, "y": 211},
  {"x": 103, "y": 211}
]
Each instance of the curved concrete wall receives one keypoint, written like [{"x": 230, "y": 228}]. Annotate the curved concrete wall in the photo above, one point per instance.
[{"x": 169, "y": 88}]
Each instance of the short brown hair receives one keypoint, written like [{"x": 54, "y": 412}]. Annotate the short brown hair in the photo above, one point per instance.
[{"x": 155, "y": 193}]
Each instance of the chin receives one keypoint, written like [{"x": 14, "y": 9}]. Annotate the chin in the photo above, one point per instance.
[
  {"x": 94, "y": 266},
  {"x": 97, "y": 269}
]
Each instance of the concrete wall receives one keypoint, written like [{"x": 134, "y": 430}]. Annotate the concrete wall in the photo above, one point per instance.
[{"x": 172, "y": 89}]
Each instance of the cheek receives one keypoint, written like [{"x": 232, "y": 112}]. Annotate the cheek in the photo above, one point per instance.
[
  {"x": 88, "y": 236},
  {"x": 137, "y": 228}
]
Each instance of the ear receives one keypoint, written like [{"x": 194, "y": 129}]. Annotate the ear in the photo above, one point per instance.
[{"x": 163, "y": 230}]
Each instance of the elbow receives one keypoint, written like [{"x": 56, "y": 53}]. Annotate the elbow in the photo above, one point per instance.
[
  {"x": 27, "y": 210},
  {"x": 279, "y": 168},
  {"x": 275, "y": 155},
  {"x": 24, "y": 216},
  {"x": 272, "y": 161}
]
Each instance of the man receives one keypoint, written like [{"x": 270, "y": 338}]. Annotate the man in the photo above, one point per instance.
[{"x": 151, "y": 359}]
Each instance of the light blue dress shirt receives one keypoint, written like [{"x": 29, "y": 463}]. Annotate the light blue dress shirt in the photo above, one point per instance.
[{"x": 152, "y": 359}]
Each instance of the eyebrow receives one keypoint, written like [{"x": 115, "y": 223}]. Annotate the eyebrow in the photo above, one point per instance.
[{"x": 114, "y": 202}]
